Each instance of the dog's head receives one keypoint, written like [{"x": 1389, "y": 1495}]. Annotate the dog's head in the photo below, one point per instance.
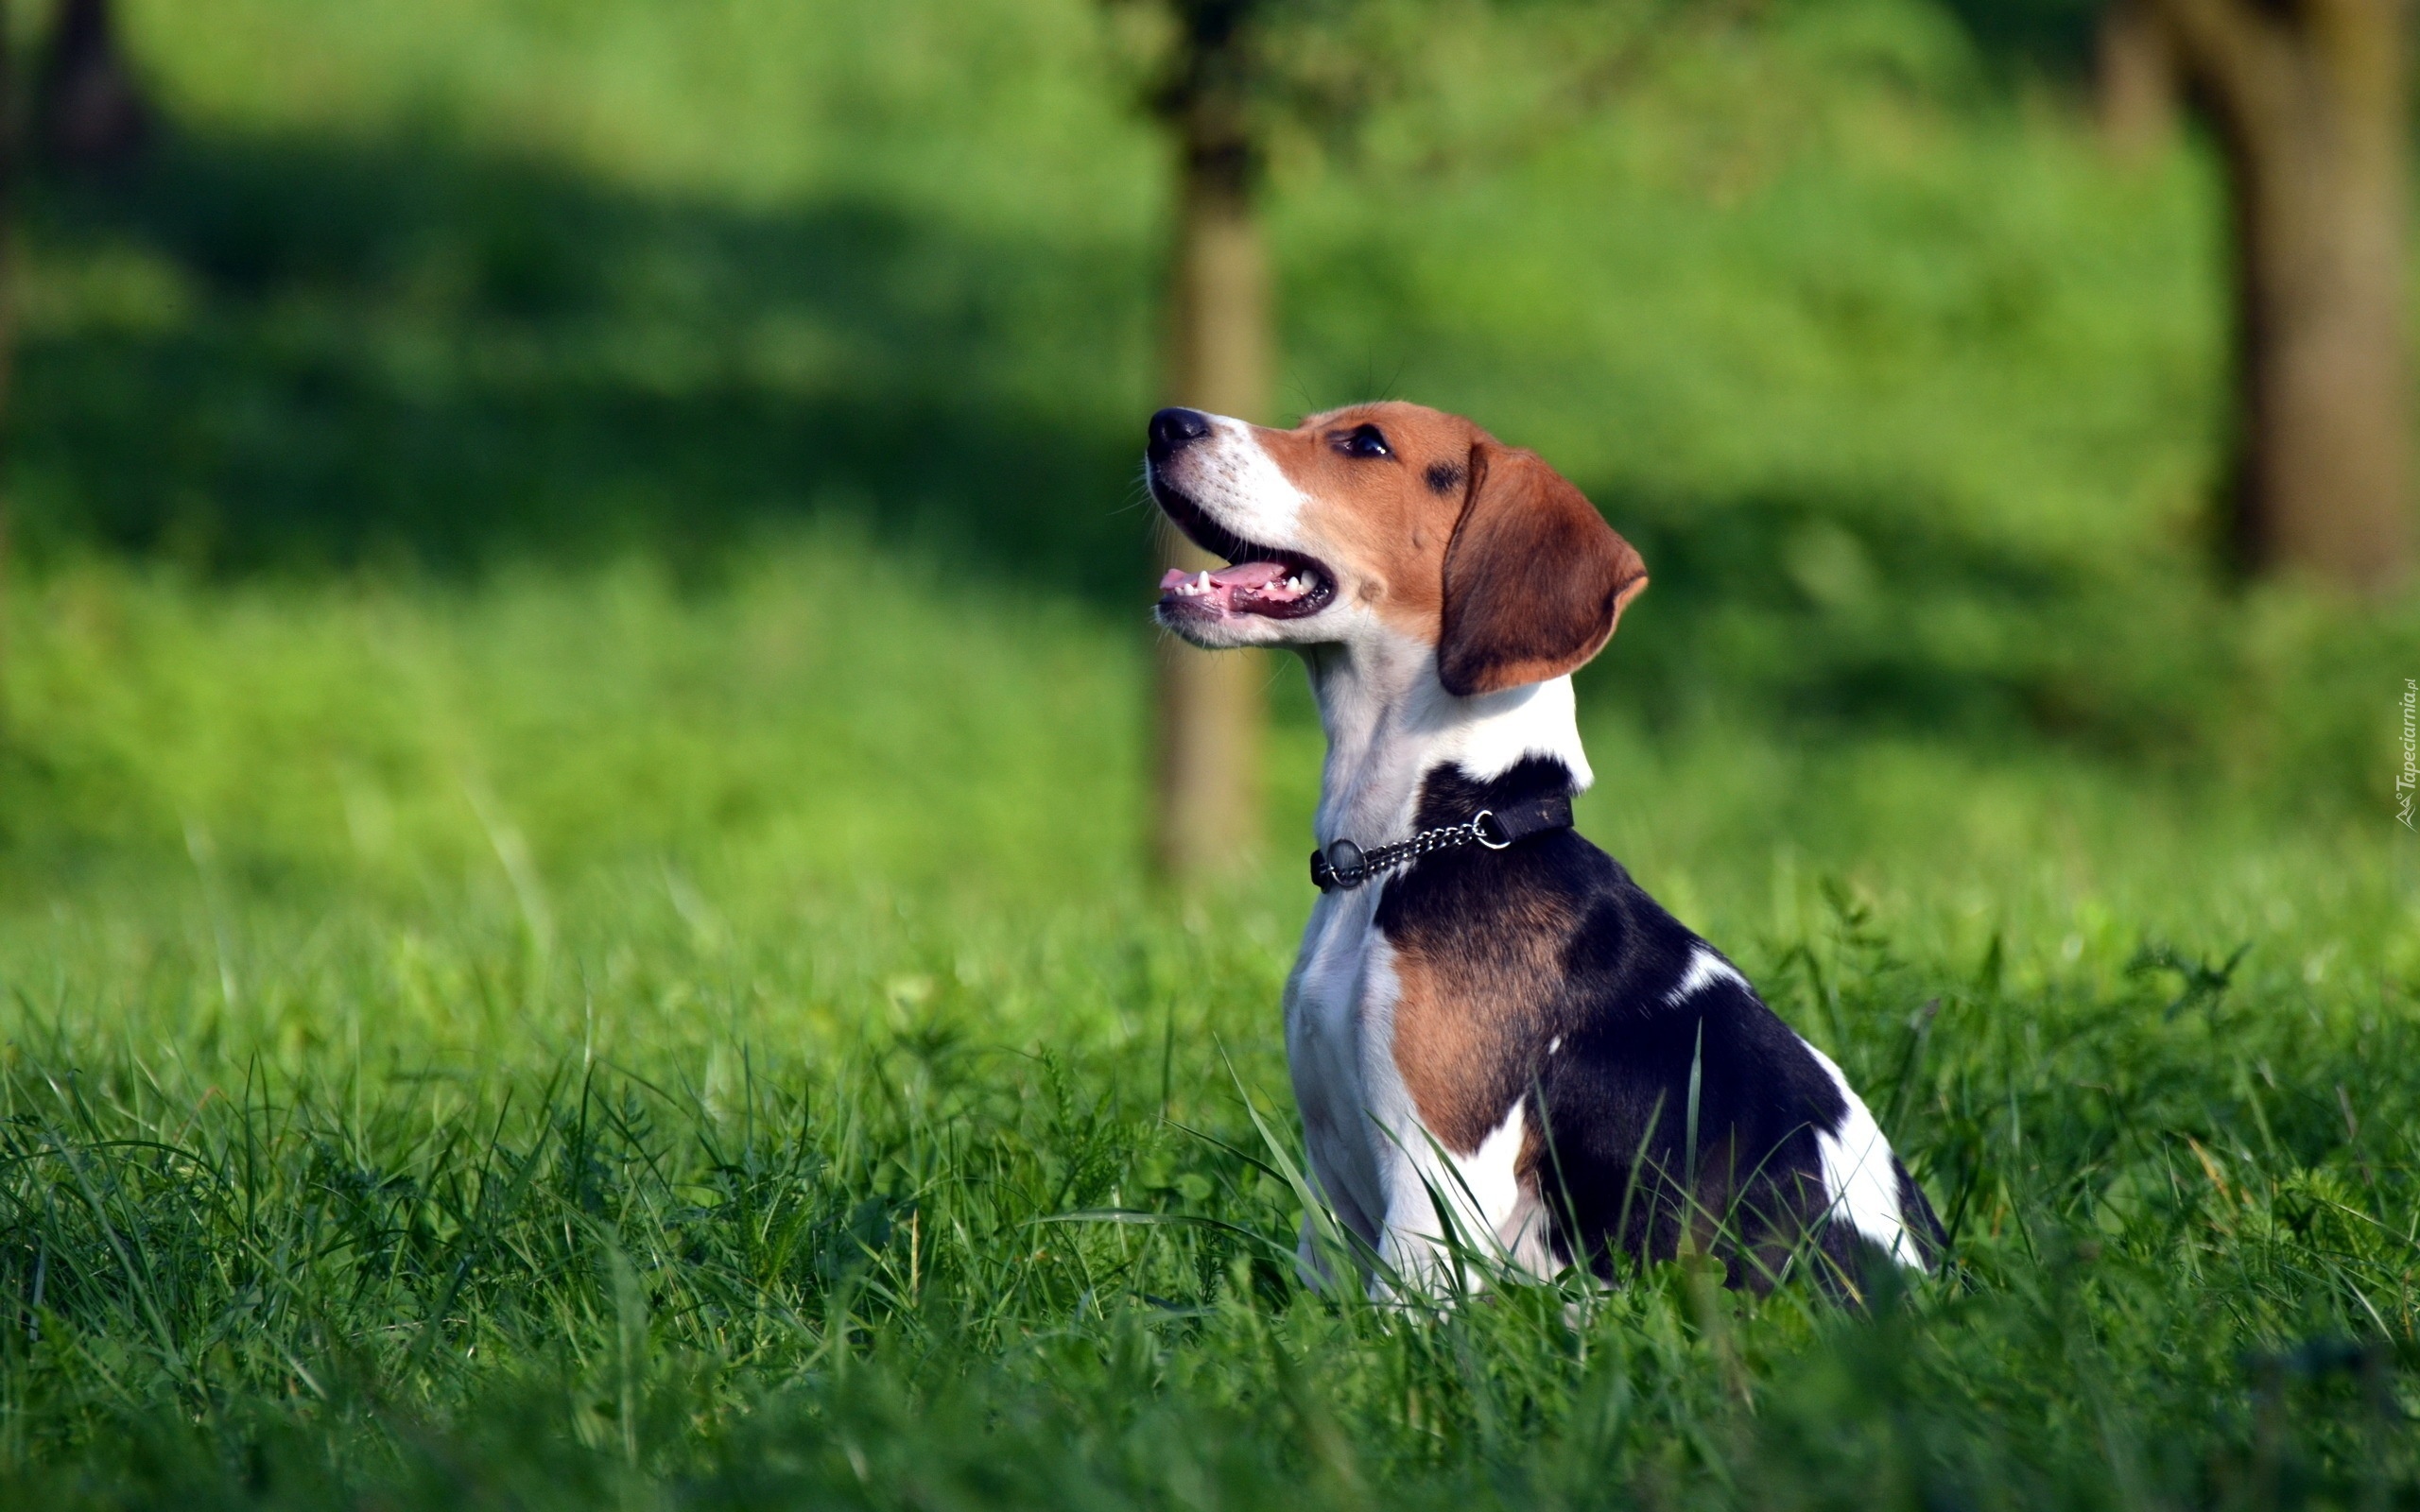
[{"x": 1388, "y": 519}]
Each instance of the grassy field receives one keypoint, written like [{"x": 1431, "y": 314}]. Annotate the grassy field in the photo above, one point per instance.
[{"x": 569, "y": 790}]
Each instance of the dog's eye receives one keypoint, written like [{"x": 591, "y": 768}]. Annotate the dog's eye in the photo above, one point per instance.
[{"x": 1366, "y": 441}]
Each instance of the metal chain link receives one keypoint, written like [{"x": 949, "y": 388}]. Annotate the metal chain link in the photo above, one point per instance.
[
  {"x": 1448, "y": 839},
  {"x": 1363, "y": 865}
]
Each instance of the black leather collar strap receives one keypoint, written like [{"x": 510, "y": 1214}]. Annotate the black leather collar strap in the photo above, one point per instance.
[{"x": 1344, "y": 865}]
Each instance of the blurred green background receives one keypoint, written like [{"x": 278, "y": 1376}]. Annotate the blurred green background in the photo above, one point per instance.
[
  {"x": 1913, "y": 399},
  {"x": 564, "y": 554}
]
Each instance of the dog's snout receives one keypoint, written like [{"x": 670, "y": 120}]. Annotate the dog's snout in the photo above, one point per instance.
[{"x": 1172, "y": 428}]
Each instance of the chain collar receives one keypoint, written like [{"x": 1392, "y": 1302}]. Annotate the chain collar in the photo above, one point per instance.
[{"x": 1344, "y": 865}]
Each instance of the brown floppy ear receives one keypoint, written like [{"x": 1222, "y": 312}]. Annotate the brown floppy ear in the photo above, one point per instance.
[{"x": 1534, "y": 578}]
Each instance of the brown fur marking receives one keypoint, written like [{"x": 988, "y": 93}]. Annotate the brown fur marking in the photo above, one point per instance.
[
  {"x": 1469, "y": 1013},
  {"x": 1382, "y": 526},
  {"x": 1514, "y": 576},
  {"x": 1535, "y": 579}
]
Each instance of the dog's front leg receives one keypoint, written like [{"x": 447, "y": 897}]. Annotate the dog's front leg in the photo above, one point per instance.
[
  {"x": 1311, "y": 1265},
  {"x": 1455, "y": 1222}
]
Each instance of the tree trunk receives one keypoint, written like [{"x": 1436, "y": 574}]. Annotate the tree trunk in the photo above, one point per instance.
[
  {"x": 11, "y": 165},
  {"x": 2310, "y": 99},
  {"x": 1210, "y": 703},
  {"x": 89, "y": 114},
  {"x": 2135, "y": 83}
]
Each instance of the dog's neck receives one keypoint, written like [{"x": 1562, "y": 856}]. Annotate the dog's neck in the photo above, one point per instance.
[{"x": 1389, "y": 722}]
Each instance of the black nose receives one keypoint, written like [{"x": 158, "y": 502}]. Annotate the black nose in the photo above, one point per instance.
[{"x": 1172, "y": 428}]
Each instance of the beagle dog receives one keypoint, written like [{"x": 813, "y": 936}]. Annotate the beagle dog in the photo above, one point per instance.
[{"x": 1498, "y": 1041}]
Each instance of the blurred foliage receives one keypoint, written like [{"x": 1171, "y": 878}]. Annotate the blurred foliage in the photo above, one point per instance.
[
  {"x": 280, "y": 354},
  {"x": 1909, "y": 396},
  {"x": 2052, "y": 36}
]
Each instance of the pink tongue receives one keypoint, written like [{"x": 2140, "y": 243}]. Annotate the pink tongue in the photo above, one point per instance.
[
  {"x": 1257, "y": 578},
  {"x": 1246, "y": 576}
]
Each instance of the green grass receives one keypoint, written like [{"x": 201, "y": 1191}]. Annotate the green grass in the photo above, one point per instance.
[
  {"x": 571, "y": 1042},
  {"x": 573, "y": 752}
]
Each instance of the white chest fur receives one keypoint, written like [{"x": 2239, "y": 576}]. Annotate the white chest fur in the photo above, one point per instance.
[
  {"x": 1391, "y": 1181},
  {"x": 1386, "y": 1175},
  {"x": 1328, "y": 1050}
]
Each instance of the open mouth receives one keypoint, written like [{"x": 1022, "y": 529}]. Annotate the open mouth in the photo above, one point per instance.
[{"x": 1263, "y": 580}]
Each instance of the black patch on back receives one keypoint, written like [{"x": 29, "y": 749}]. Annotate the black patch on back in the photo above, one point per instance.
[{"x": 1612, "y": 1102}]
